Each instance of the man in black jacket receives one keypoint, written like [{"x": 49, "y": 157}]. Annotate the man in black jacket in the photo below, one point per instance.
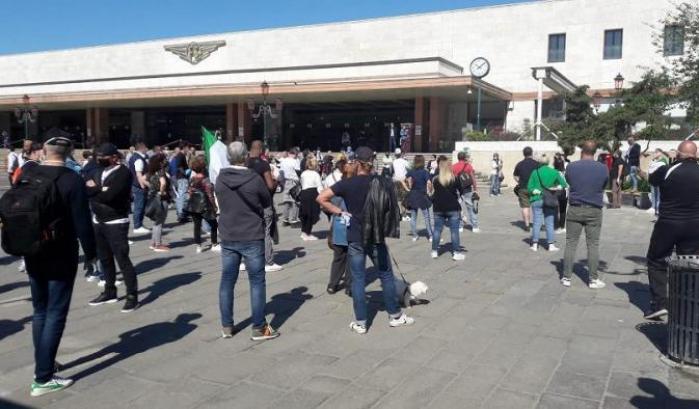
[
  {"x": 372, "y": 216},
  {"x": 109, "y": 190},
  {"x": 677, "y": 226},
  {"x": 52, "y": 272}
]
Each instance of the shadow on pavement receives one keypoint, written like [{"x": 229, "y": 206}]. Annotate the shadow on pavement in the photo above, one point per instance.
[
  {"x": 11, "y": 327},
  {"x": 286, "y": 256},
  {"x": 137, "y": 341},
  {"x": 7, "y": 260},
  {"x": 656, "y": 332},
  {"x": 638, "y": 293},
  {"x": 661, "y": 397},
  {"x": 167, "y": 284},
  {"x": 283, "y": 306},
  {"x": 637, "y": 259},
  {"x": 6, "y": 404},
  {"x": 13, "y": 286},
  {"x": 154, "y": 264}
]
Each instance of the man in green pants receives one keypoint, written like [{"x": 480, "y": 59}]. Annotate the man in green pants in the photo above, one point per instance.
[{"x": 587, "y": 179}]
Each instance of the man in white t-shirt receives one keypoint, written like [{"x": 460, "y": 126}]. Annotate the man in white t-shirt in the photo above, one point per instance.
[
  {"x": 400, "y": 170},
  {"x": 288, "y": 166}
]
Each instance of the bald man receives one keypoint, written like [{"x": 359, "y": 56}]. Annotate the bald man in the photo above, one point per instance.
[{"x": 677, "y": 228}]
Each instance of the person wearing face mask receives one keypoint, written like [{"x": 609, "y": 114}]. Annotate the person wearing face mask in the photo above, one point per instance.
[{"x": 109, "y": 190}]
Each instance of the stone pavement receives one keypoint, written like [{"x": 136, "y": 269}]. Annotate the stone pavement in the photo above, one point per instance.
[{"x": 499, "y": 332}]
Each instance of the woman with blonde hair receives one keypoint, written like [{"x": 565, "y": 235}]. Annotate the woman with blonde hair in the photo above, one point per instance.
[
  {"x": 309, "y": 210},
  {"x": 447, "y": 191}
]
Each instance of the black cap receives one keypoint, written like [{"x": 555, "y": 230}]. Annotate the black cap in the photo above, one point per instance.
[
  {"x": 364, "y": 154},
  {"x": 106, "y": 149},
  {"x": 60, "y": 141}
]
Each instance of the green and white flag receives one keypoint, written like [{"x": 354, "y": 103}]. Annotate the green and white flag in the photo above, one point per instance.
[{"x": 208, "y": 139}]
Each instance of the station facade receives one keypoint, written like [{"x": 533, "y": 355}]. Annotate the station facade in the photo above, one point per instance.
[{"x": 366, "y": 80}]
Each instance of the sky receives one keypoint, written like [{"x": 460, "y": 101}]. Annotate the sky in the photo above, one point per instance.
[{"x": 57, "y": 24}]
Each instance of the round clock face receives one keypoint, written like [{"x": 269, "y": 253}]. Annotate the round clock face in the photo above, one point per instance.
[{"x": 480, "y": 67}]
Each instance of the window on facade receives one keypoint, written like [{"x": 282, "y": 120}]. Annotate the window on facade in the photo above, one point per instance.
[
  {"x": 557, "y": 48},
  {"x": 673, "y": 40},
  {"x": 613, "y": 44}
]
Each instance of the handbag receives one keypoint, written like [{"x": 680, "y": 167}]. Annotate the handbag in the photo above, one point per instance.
[
  {"x": 295, "y": 192},
  {"x": 197, "y": 203},
  {"x": 154, "y": 208},
  {"x": 550, "y": 197}
]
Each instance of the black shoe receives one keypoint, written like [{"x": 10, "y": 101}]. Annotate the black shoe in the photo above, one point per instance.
[
  {"x": 331, "y": 290},
  {"x": 104, "y": 298},
  {"x": 655, "y": 314},
  {"x": 130, "y": 304}
]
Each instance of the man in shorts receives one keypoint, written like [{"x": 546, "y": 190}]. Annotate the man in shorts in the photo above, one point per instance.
[{"x": 522, "y": 172}]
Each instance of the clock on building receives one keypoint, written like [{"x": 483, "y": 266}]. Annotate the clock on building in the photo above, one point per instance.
[{"x": 480, "y": 67}]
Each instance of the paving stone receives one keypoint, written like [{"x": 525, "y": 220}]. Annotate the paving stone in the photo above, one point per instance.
[
  {"x": 418, "y": 390},
  {"x": 506, "y": 399},
  {"x": 354, "y": 397},
  {"x": 531, "y": 374},
  {"x": 389, "y": 374},
  {"x": 578, "y": 385},
  {"x": 549, "y": 401}
]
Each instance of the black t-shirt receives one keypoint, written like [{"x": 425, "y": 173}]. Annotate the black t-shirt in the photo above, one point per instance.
[
  {"x": 446, "y": 199},
  {"x": 524, "y": 169},
  {"x": 259, "y": 166},
  {"x": 614, "y": 173},
  {"x": 354, "y": 192},
  {"x": 181, "y": 165}
]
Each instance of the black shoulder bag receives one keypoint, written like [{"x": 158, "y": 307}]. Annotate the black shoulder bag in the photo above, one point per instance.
[{"x": 550, "y": 197}]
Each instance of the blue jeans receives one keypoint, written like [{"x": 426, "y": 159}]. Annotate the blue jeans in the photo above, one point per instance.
[
  {"x": 543, "y": 215},
  {"x": 139, "y": 206},
  {"x": 381, "y": 260},
  {"x": 494, "y": 184},
  {"x": 182, "y": 186},
  {"x": 51, "y": 302},
  {"x": 413, "y": 221},
  {"x": 253, "y": 253},
  {"x": 439, "y": 220},
  {"x": 655, "y": 198},
  {"x": 633, "y": 175},
  {"x": 467, "y": 209}
]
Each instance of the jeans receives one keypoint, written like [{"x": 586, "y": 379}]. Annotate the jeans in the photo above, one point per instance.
[
  {"x": 633, "y": 175},
  {"x": 655, "y": 198},
  {"x": 668, "y": 235},
  {"x": 157, "y": 231},
  {"x": 579, "y": 218},
  {"x": 413, "y": 221},
  {"x": 439, "y": 220},
  {"x": 197, "y": 221},
  {"x": 113, "y": 243},
  {"x": 253, "y": 254},
  {"x": 381, "y": 260},
  {"x": 543, "y": 215},
  {"x": 51, "y": 302},
  {"x": 182, "y": 186},
  {"x": 139, "y": 206},
  {"x": 494, "y": 184},
  {"x": 467, "y": 209}
]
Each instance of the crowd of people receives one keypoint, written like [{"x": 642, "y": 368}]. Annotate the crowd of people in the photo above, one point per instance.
[{"x": 363, "y": 195}]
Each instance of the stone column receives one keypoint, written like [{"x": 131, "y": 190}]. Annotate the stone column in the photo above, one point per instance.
[
  {"x": 138, "y": 124},
  {"x": 437, "y": 122},
  {"x": 244, "y": 124},
  {"x": 420, "y": 124},
  {"x": 101, "y": 125},
  {"x": 231, "y": 122},
  {"x": 89, "y": 128}
]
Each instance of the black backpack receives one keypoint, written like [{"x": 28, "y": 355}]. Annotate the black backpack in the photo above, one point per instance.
[
  {"x": 31, "y": 214},
  {"x": 465, "y": 179}
]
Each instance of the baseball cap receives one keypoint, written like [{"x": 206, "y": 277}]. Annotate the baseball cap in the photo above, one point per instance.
[
  {"x": 60, "y": 141},
  {"x": 106, "y": 149},
  {"x": 364, "y": 154},
  {"x": 398, "y": 151}
]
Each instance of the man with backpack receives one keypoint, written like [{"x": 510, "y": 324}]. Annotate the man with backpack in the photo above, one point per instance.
[
  {"x": 464, "y": 171},
  {"x": 138, "y": 167},
  {"x": 109, "y": 190},
  {"x": 42, "y": 220},
  {"x": 178, "y": 173}
]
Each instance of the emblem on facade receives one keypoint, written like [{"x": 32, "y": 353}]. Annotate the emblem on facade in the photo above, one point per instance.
[{"x": 195, "y": 52}]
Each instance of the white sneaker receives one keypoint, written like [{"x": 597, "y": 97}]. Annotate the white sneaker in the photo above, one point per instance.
[
  {"x": 22, "y": 266},
  {"x": 131, "y": 243},
  {"x": 270, "y": 268},
  {"x": 461, "y": 229},
  {"x": 54, "y": 385},
  {"x": 597, "y": 284},
  {"x": 651, "y": 211},
  {"x": 434, "y": 254},
  {"x": 117, "y": 283},
  {"x": 198, "y": 250},
  {"x": 415, "y": 238},
  {"x": 92, "y": 278},
  {"x": 552, "y": 247},
  {"x": 565, "y": 281},
  {"x": 406, "y": 218},
  {"x": 475, "y": 230},
  {"x": 216, "y": 248},
  {"x": 358, "y": 328},
  {"x": 534, "y": 247},
  {"x": 310, "y": 237},
  {"x": 560, "y": 231},
  {"x": 141, "y": 230},
  {"x": 242, "y": 266},
  {"x": 458, "y": 257},
  {"x": 401, "y": 321}
]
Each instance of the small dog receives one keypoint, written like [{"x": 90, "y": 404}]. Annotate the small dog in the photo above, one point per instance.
[{"x": 409, "y": 293}]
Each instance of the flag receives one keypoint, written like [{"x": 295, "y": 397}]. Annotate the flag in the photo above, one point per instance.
[{"x": 207, "y": 140}]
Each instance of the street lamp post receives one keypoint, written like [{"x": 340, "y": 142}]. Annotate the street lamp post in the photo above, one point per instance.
[
  {"x": 618, "y": 87},
  {"x": 26, "y": 114},
  {"x": 265, "y": 110}
]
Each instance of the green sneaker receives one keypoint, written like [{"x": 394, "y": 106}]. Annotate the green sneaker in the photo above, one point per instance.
[
  {"x": 264, "y": 333},
  {"x": 54, "y": 385}
]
